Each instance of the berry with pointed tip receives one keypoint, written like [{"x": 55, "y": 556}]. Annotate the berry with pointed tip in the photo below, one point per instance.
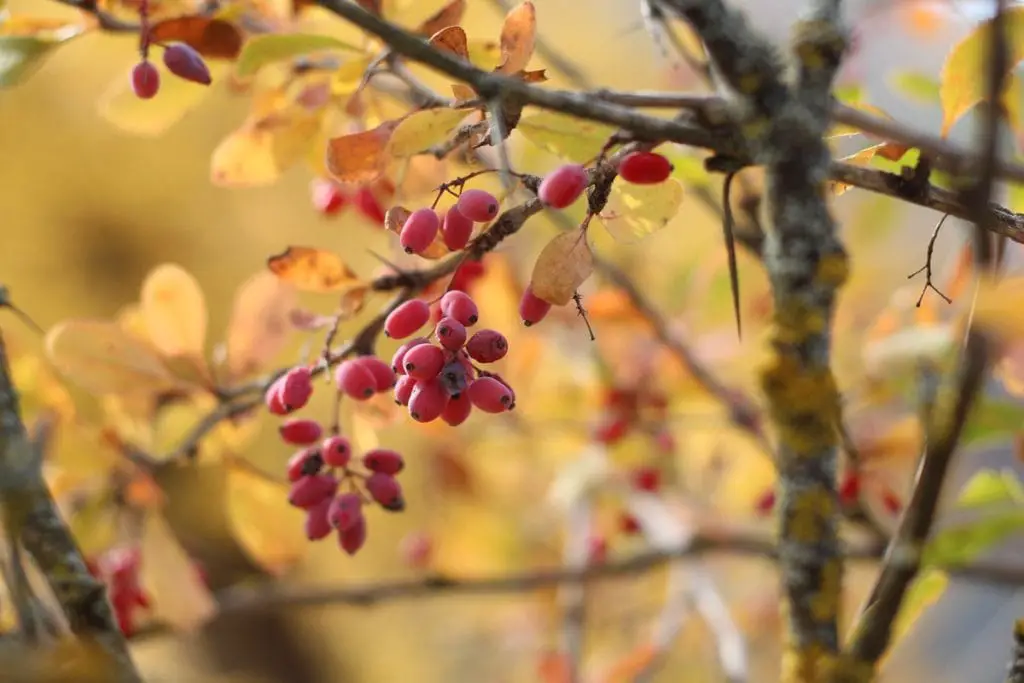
[
  {"x": 300, "y": 432},
  {"x": 455, "y": 377},
  {"x": 184, "y": 62},
  {"x": 386, "y": 490},
  {"x": 397, "y": 364},
  {"x": 318, "y": 526},
  {"x": 424, "y": 362},
  {"x": 456, "y": 229},
  {"x": 490, "y": 395},
  {"x": 563, "y": 186},
  {"x": 478, "y": 206},
  {"x": 532, "y": 309},
  {"x": 645, "y": 168},
  {"x": 383, "y": 460},
  {"x": 354, "y": 380},
  {"x": 508, "y": 387},
  {"x": 458, "y": 409},
  {"x": 406, "y": 319},
  {"x": 427, "y": 401},
  {"x": 336, "y": 451},
  {"x": 305, "y": 463},
  {"x": 403, "y": 389},
  {"x": 450, "y": 333},
  {"x": 419, "y": 230},
  {"x": 353, "y": 538},
  {"x": 328, "y": 198},
  {"x": 383, "y": 375},
  {"x": 487, "y": 346},
  {"x": 646, "y": 479},
  {"x": 308, "y": 491},
  {"x": 460, "y": 306},
  {"x": 145, "y": 80},
  {"x": 296, "y": 388},
  {"x": 345, "y": 510}
]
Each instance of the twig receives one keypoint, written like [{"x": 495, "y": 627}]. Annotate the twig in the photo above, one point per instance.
[
  {"x": 927, "y": 267},
  {"x": 729, "y": 234},
  {"x": 1015, "y": 673}
]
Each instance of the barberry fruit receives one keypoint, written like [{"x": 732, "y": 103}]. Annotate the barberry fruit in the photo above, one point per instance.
[
  {"x": 386, "y": 490},
  {"x": 419, "y": 230},
  {"x": 145, "y": 80},
  {"x": 354, "y": 380},
  {"x": 849, "y": 489},
  {"x": 478, "y": 206},
  {"x": 296, "y": 388},
  {"x": 416, "y": 550},
  {"x": 646, "y": 479},
  {"x": 397, "y": 360},
  {"x": 383, "y": 375},
  {"x": 460, "y": 306},
  {"x": 612, "y": 431},
  {"x": 368, "y": 205},
  {"x": 383, "y": 460},
  {"x": 456, "y": 229},
  {"x": 645, "y": 168},
  {"x": 406, "y": 319},
  {"x": 353, "y": 538},
  {"x": 308, "y": 491},
  {"x": 300, "y": 432},
  {"x": 597, "y": 549},
  {"x": 765, "y": 503},
  {"x": 345, "y": 511},
  {"x": 563, "y": 186},
  {"x": 305, "y": 463},
  {"x": 427, "y": 401},
  {"x": 318, "y": 526},
  {"x": 424, "y": 362},
  {"x": 490, "y": 395},
  {"x": 450, "y": 333},
  {"x": 328, "y": 198},
  {"x": 532, "y": 309},
  {"x": 628, "y": 524},
  {"x": 487, "y": 346},
  {"x": 455, "y": 376},
  {"x": 403, "y": 390},
  {"x": 336, "y": 451},
  {"x": 457, "y": 410},
  {"x": 184, "y": 62}
]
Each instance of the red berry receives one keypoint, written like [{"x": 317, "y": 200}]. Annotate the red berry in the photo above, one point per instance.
[
  {"x": 532, "y": 308},
  {"x": 403, "y": 390},
  {"x": 406, "y": 319},
  {"x": 383, "y": 375},
  {"x": 428, "y": 400},
  {"x": 645, "y": 168},
  {"x": 308, "y": 491},
  {"x": 891, "y": 502},
  {"x": 353, "y": 538},
  {"x": 490, "y": 395},
  {"x": 296, "y": 388},
  {"x": 460, "y": 306},
  {"x": 597, "y": 549},
  {"x": 478, "y": 206},
  {"x": 487, "y": 346},
  {"x": 355, "y": 380},
  {"x": 612, "y": 431},
  {"x": 456, "y": 229},
  {"x": 345, "y": 510},
  {"x": 272, "y": 399},
  {"x": 563, "y": 186},
  {"x": 318, "y": 526},
  {"x": 184, "y": 62},
  {"x": 300, "y": 432},
  {"x": 368, "y": 205},
  {"x": 628, "y": 524},
  {"x": 336, "y": 451},
  {"x": 424, "y": 362},
  {"x": 383, "y": 460},
  {"x": 765, "y": 503},
  {"x": 145, "y": 80},
  {"x": 646, "y": 479},
  {"x": 450, "y": 333},
  {"x": 397, "y": 364},
  {"x": 416, "y": 549},
  {"x": 419, "y": 230},
  {"x": 458, "y": 409},
  {"x": 328, "y": 198},
  {"x": 849, "y": 489},
  {"x": 386, "y": 490}
]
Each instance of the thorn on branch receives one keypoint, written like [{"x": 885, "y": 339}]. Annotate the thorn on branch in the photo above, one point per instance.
[
  {"x": 582, "y": 312},
  {"x": 927, "y": 267},
  {"x": 730, "y": 248}
]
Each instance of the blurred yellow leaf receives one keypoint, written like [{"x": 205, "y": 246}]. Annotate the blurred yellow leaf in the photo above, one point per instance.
[
  {"x": 449, "y": 15},
  {"x": 484, "y": 54},
  {"x": 312, "y": 270},
  {"x": 925, "y": 592},
  {"x": 261, "y": 50},
  {"x": 423, "y": 129},
  {"x": 996, "y": 309},
  {"x": 259, "y": 327},
  {"x": 174, "y": 309},
  {"x": 562, "y": 266},
  {"x": 518, "y": 33},
  {"x": 565, "y": 136},
  {"x": 167, "y": 573},
  {"x": 359, "y": 157},
  {"x": 26, "y": 41},
  {"x": 210, "y": 37},
  {"x": 264, "y": 524},
  {"x": 347, "y": 77},
  {"x": 93, "y": 522},
  {"x": 258, "y": 152},
  {"x": 635, "y": 211},
  {"x": 886, "y": 150}
]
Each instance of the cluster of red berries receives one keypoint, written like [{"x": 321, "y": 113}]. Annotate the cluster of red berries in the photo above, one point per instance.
[
  {"x": 566, "y": 184},
  {"x": 456, "y": 227},
  {"x": 330, "y": 199},
  {"x": 440, "y": 380},
  {"x": 119, "y": 568},
  {"x": 626, "y": 409},
  {"x": 645, "y": 478},
  {"x": 181, "y": 59}
]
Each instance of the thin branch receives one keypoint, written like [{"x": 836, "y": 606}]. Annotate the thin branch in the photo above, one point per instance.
[
  {"x": 927, "y": 267},
  {"x": 1015, "y": 673}
]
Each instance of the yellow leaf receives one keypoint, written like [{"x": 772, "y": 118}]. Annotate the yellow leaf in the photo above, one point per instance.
[
  {"x": 258, "y": 152},
  {"x": 484, "y": 54},
  {"x": 962, "y": 82},
  {"x": 26, "y": 41},
  {"x": 101, "y": 357},
  {"x": 635, "y": 211},
  {"x": 997, "y": 310},
  {"x": 269, "y": 48},
  {"x": 264, "y": 524},
  {"x": 886, "y": 150},
  {"x": 565, "y": 136},
  {"x": 93, "y": 521},
  {"x": 347, "y": 77},
  {"x": 925, "y": 592},
  {"x": 174, "y": 309},
  {"x": 518, "y": 33},
  {"x": 562, "y": 266},
  {"x": 312, "y": 270},
  {"x": 179, "y": 596},
  {"x": 423, "y": 129},
  {"x": 259, "y": 326},
  {"x": 359, "y": 157}
]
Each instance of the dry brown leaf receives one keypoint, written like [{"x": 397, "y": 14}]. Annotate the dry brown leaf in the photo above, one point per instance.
[
  {"x": 313, "y": 270},
  {"x": 179, "y": 595},
  {"x": 563, "y": 265},
  {"x": 360, "y": 157},
  {"x": 174, "y": 310},
  {"x": 452, "y": 39},
  {"x": 214, "y": 38},
  {"x": 517, "y": 38},
  {"x": 353, "y": 301},
  {"x": 893, "y": 151},
  {"x": 259, "y": 326},
  {"x": 449, "y": 15},
  {"x": 538, "y": 76}
]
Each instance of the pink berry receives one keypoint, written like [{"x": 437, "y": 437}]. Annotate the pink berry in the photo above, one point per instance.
[
  {"x": 403, "y": 390},
  {"x": 407, "y": 318},
  {"x": 300, "y": 432},
  {"x": 487, "y": 346},
  {"x": 563, "y": 186},
  {"x": 383, "y": 375},
  {"x": 646, "y": 479},
  {"x": 353, "y": 538},
  {"x": 459, "y": 305},
  {"x": 416, "y": 549},
  {"x": 184, "y": 62},
  {"x": 305, "y": 463},
  {"x": 490, "y": 395},
  {"x": 328, "y": 198},
  {"x": 427, "y": 401},
  {"x": 272, "y": 399},
  {"x": 345, "y": 510},
  {"x": 532, "y": 308},
  {"x": 336, "y": 451},
  {"x": 386, "y": 490},
  {"x": 419, "y": 230},
  {"x": 397, "y": 364},
  {"x": 308, "y": 491},
  {"x": 450, "y": 333},
  {"x": 383, "y": 460},
  {"x": 456, "y": 229},
  {"x": 478, "y": 206},
  {"x": 355, "y": 380},
  {"x": 145, "y": 80},
  {"x": 296, "y": 388},
  {"x": 424, "y": 362},
  {"x": 645, "y": 168},
  {"x": 317, "y": 524},
  {"x": 458, "y": 409}
]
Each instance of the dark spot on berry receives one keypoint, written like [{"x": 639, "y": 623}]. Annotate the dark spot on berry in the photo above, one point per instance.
[
  {"x": 472, "y": 320},
  {"x": 526, "y": 323},
  {"x": 408, "y": 250},
  {"x": 397, "y": 504}
]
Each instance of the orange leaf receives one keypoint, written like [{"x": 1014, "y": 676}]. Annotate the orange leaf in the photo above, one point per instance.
[
  {"x": 563, "y": 265},
  {"x": 538, "y": 76},
  {"x": 517, "y": 38},
  {"x": 452, "y": 39},
  {"x": 449, "y": 15},
  {"x": 214, "y": 38},
  {"x": 630, "y": 666},
  {"x": 259, "y": 326},
  {"x": 463, "y": 92},
  {"x": 360, "y": 157},
  {"x": 312, "y": 270},
  {"x": 554, "y": 668},
  {"x": 174, "y": 311},
  {"x": 352, "y": 301}
]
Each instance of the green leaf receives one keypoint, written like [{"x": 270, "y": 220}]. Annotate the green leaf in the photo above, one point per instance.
[
  {"x": 259, "y": 51},
  {"x": 963, "y": 543},
  {"x": 848, "y": 94},
  {"x": 908, "y": 159},
  {"x": 994, "y": 418},
  {"x": 565, "y": 136},
  {"x": 22, "y": 55},
  {"x": 991, "y": 487},
  {"x": 916, "y": 86}
]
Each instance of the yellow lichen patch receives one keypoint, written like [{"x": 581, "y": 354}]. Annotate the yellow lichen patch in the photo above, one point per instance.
[
  {"x": 807, "y": 515},
  {"x": 833, "y": 270},
  {"x": 807, "y": 663},
  {"x": 825, "y": 603},
  {"x": 850, "y": 670}
]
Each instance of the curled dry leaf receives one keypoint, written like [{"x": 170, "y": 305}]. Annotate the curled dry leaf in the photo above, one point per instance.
[
  {"x": 563, "y": 265},
  {"x": 312, "y": 270},
  {"x": 262, "y": 521},
  {"x": 213, "y": 38},
  {"x": 517, "y": 38},
  {"x": 449, "y": 15},
  {"x": 423, "y": 129},
  {"x": 452, "y": 39},
  {"x": 360, "y": 157},
  {"x": 996, "y": 309},
  {"x": 174, "y": 310},
  {"x": 259, "y": 326},
  {"x": 352, "y": 301},
  {"x": 180, "y": 597}
]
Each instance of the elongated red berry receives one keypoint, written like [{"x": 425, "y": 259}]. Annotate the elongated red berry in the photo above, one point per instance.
[
  {"x": 424, "y": 362},
  {"x": 353, "y": 538},
  {"x": 296, "y": 386},
  {"x": 487, "y": 346},
  {"x": 386, "y": 490},
  {"x": 490, "y": 395},
  {"x": 419, "y": 230},
  {"x": 455, "y": 376},
  {"x": 300, "y": 432},
  {"x": 397, "y": 364},
  {"x": 456, "y": 229},
  {"x": 383, "y": 460},
  {"x": 646, "y": 479},
  {"x": 532, "y": 309},
  {"x": 403, "y": 390},
  {"x": 273, "y": 400},
  {"x": 891, "y": 501},
  {"x": 765, "y": 502},
  {"x": 406, "y": 319},
  {"x": 460, "y": 306},
  {"x": 478, "y": 206},
  {"x": 336, "y": 451},
  {"x": 612, "y": 431},
  {"x": 457, "y": 410},
  {"x": 427, "y": 401},
  {"x": 345, "y": 510},
  {"x": 317, "y": 524},
  {"x": 328, "y": 198},
  {"x": 145, "y": 80},
  {"x": 184, "y": 62},
  {"x": 305, "y": 463},
  {"x": 450, "y": 333},
  {"x": 383, "y": 375},
  {"x": 849, "y": 488},
  {"x": 308, "y": 491},
  {"x": 563, "y": 186},
  {"x": 645, "y": 168},
  {"x": 355, "y": 380}
]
